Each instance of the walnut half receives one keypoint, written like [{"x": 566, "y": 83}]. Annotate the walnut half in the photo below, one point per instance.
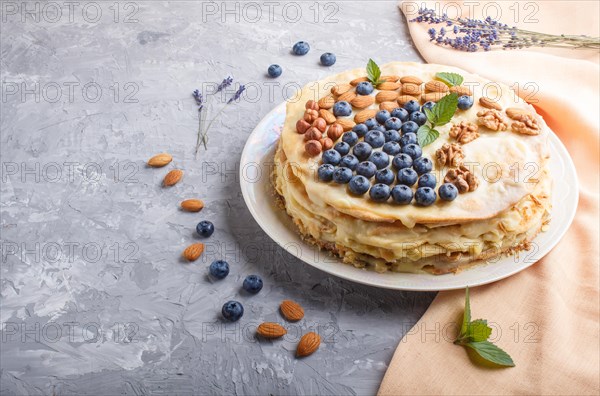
[
  {"x": 449, "y": 155},
  {"x": 492, "y": 119},
  {"x": 463, "y": 179},
  {"x": 525, "y": 124},
  {"x": 464, "y": 132}
]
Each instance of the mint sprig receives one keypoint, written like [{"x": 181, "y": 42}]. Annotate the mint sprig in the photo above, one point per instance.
[
  {"x": 474, "y": 334},
  {"x": 439, "y": 115},
  {"x": 373, "y": 72},
  {"x": 450, "y": 79}
]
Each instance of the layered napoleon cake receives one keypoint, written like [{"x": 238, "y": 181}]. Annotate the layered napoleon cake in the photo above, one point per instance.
[{"x": 413, "y": 167}]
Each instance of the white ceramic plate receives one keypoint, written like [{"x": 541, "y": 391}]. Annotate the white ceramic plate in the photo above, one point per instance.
[{"x": 256, "y": 165}]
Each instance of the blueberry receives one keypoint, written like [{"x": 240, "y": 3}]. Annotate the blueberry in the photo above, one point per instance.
[
  {"x": 359, "y": 185},
  {"x": 382, "y": 116},
  {"x": 400, "y": 114},
  {"x": 371, "y": 123},
  {"x": 375, "y": 138},
  {"x": 418, "y": 118},
  {"x": 350, "y": 138},
  {"x": 342, "y": 147},
  {"x": 331, "y": 157},
  {"x": 379, "y": 192},
  {"x": 380, "y": 159},
  {"x": 412, "y": 105},
  {"x": 408, "y": 138},
  {"x": 366, "y": 169},
  {"x": 402, "y": 161},
  {"x": 342, "y": 175},
  {"x": 301, "y": 48},
  {"x": 205, "y": 228},
  {"x": 427, "y": 105},
  {"x": 425, "y": 196},
  {"x": 362, "y": 150},
  {"x": 348, "y": 161},
  {"x": 232, "y": 310},
  {"x": 465, "y": 102},
  {"x": 422, "y": 165},
  {"x": 407, "y": 176},
  {"x": 448, "y": 192},
  {"x": 274, "y": 71},
  {"x": 409, "y": 127},
  {"x": 385, "y": 176},
  {"x": 360, "y": 129},
  {"x": 328, "y": 59},
  {"x": 414, "y": 150},
  {"x": 379, "y": 128},
  {"x": 427, "y": 180},
  {"x": 402, "y": 194},
  {"x": 325, "y": 172},
  {"x": 253, "y": 284},
  {"x": 364, "y": 88},
  {"x": 391, "y": 135},
  {"x": 391, "y": 148},
  {"x": 219, "y": 269},
  {"x": 342, "y": 109},
  {"x": 393, "y": 123}
]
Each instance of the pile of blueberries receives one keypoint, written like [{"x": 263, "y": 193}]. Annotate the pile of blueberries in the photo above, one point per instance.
[{"x": 388, "y": 160}]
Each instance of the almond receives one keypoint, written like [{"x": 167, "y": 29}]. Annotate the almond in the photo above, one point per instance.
[
  {"x": 302, "y": 126},
  {"x": 313, "y": 148},
  {"x": 291, "y": 310},
  {"x": 270, "y": 330},
  {"x": 335, "y": 131},
  {"x": 308, "y": 344},
  {"x": 346, "y": 123},
  {"x": 461, "y": 90},
  {"x": 388, "y": 86},
  {"x": 436, "y": 86},
  {"x": 389, "y": 106},
  {"x": 341, "y": 89},
  {"x": 515, "y": 112},
  {"x": 172, "y": 177},
  {"x": 192, "y": 205},
  {"x": 433, "y": 96},
  {"x": 320, "y": 124},
  {"x": 311, "y": 105},
  {"x": 347, "y": 96},
  {"x": 327, "y": 116},
  {"x": 326, "y": 143},
  {"x": 362, "y": 101},
  {"x": 160, "y": 160},
  {"x": 313, "y": 134},
  {"x": 386, "y": 96},
  {"x": 192, "y": 252},
  {"x": 389, "y": 78},
  {"x": 364, "y": 115},
  {"x": 358, "y": 80},
  {"x": 490, "y": 104},
  {"x": 402, "y": 99},
  {"x": 326, "y": 102},
  {"x": 411, "y": 89},
  {"x": 411, "y": 80}
]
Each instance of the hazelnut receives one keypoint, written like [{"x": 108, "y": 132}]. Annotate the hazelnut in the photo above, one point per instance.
[
  {"x": 320, "y": 124},
  {"x": 312, "y": 105},
  {"x": 311, "y": 115},
  {"x": 302, "y": 126},
  {"x": 313, "y": 148},
  {"x": 326, "y": 143},
  {"x": 313, "y": 134},
  {"x": 335, "y": 131}
]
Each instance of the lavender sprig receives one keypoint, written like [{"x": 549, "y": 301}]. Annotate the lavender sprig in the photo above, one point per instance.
[
  {"x": 237, "y": 94},
  {"x": 472, "y": 35}
]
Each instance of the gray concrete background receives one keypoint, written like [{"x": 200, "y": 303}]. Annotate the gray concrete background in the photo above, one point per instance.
[{"x": 95, "y": 299}]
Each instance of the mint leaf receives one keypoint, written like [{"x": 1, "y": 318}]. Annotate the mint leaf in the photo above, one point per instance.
[
  {"x": 478, "y": 330},
  {"x": 450, "y": 79},
  {"x": 444, "y": 109},
  {"x": 430, "y": 115},
  {"x": 373, "y": 72},
  {"x": 491, "y": 353},
  {"x": 426, "y": 135},
  {"x": 467, "y": 314}
]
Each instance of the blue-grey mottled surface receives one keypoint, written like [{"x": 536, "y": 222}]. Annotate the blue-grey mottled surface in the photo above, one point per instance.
[{"x": 94, "y": 296}]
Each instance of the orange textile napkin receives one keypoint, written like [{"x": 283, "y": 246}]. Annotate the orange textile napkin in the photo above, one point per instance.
[{"x": 546, "y": 317}]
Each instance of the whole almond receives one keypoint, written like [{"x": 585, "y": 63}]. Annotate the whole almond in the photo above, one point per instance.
[
  {"x": 172, "y": 177},
  {"x": 347, "y": 124},
  {"x": 386, "y": 96},
  {"x": 490, "y": 104},
  {"x": 433, "y": 96},
  {"x": 403, "y": 99},
  {"x": 358, "y": 80},
  {"x": 326, "y": 102},
  {"x": 291, "y": 310},
  {"x": 311, "y": 105},
  {"x": 192, "y": 252},
  {"x": 310, "y": 115},
  {"x": 340, "y": 89},
  {"x": 270, "y": 330},
  {"x": 335, "y": 131},
  {"x": 411, "y": 89},
  {"x": 364, "y": 115},
  {"x": 515, "y": 112},
  {"x": 320, "y": 124},
  {"x": 347, "y": 96},
  {"x": 313, "y": 148},
  {"x": 313, "y": 134},
  {"x": 302, "y": 126},
  {"x": 461, "y": 90},
  {"x": 362, "y": 101},
  {"x": 327, "y": 116},
  {"x": 389, "y": 78},
  {"x": 192, "y": 205},
  {"x": 436, "y": 86},
  {"x": 160, "y": 160},
  {"x": 308, "y": 344},
  {"x": 389, "y": 106},
  {"x": 388, "y": 86},
  {"x": 326, "y": 143},
  {"x": 411, "y": 80}
]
